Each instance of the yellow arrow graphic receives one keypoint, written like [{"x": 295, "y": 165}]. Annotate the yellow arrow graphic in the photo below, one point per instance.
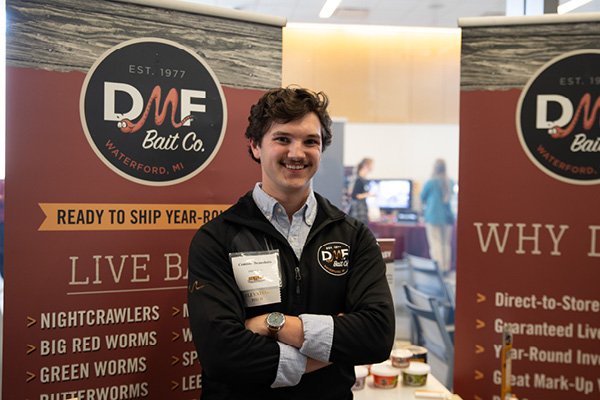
[
  {"x": 30, "y": 349},
  {"x": 478, "y": 375},
  {"x": 30, "y": 377}
]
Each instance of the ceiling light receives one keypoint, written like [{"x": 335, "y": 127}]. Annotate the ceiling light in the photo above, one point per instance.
[
  {"x": 571, "y": 5},
  {"x": 329, "y": 8}
]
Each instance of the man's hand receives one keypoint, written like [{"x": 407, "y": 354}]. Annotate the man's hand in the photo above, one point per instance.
[{"x": 313, "y": 365}]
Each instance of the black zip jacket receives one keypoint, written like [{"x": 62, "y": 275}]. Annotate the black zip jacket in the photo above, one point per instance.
[{"x": 238, "y": 364}]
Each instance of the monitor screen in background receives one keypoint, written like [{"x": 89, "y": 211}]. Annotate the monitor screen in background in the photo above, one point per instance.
[{"x": 391, "y": 194}]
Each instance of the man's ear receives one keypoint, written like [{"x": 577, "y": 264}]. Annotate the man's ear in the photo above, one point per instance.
[{"x": 255, "y": 149}]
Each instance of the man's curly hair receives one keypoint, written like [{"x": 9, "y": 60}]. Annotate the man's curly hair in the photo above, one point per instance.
[{"x": 284, "y": 105}]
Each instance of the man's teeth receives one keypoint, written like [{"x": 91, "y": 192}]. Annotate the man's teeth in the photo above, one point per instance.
[{"x": 289, "y": 166}]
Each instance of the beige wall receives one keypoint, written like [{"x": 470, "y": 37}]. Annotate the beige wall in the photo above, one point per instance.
[{"x": 381, "y": 75}]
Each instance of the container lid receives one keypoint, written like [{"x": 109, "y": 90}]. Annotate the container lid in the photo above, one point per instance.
[
  {"x": 384, "y": 369},
  {"x": 417, "y": 368},
  {"x": 361, "y": 371},
  {"x": 402, "y": 353},
  {"x": 415, "y": 349}
]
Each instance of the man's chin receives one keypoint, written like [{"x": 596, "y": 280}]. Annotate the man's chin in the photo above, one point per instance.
[{"x": 298, "y": 185}]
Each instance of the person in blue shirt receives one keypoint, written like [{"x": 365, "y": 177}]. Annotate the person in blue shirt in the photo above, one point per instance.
[{"x": 438, "y": 215}]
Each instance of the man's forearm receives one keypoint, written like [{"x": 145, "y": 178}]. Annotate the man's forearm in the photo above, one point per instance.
[{"x": 292, "y": 332}]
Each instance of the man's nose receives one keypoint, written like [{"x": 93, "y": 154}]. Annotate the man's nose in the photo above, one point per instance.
[{"x": 296, "y": 150}]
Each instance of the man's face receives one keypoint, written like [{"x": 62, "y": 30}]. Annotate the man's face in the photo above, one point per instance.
[{"x": 289, "y": 156}]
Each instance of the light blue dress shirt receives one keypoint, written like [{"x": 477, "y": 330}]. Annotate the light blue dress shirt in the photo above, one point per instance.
[{"x": 318, "y": 329}]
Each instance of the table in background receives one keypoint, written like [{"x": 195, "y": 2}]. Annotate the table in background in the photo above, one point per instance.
[
  {"x": 410, "y": 238},
  {"x": 399, "y": 392}
]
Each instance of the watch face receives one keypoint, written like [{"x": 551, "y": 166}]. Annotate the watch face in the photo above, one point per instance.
[{"x": 275, "y": 319}]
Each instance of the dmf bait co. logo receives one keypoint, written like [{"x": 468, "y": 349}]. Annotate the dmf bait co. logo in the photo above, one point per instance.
[
  {"x": 558, "y": 119},
  {"x": 153, "y": 111},
  {"x": 333, "y": 257}
]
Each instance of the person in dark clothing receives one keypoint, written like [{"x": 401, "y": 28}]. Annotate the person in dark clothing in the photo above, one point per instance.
[
  {"x": 286, "y": 292},
  {"x": 360, "y": 191}
]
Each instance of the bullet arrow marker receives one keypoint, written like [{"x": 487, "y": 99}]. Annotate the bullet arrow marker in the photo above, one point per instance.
[
  {"x": 175, "y": 336},
  {"x": 174, "y": 385},
  {"x": 479, "y": 349},
  {"x": 478, "y": 375},
  {"x": 30, "y": 349},
  {"x": 175, "y": 311},
  {"x": 30, "y": 377},
  {"x": 481, "y": 298},
  {"x": 30, "y": 321},
  {"x": 479, "y": 324},
  {"x": 174, "y": 360}
]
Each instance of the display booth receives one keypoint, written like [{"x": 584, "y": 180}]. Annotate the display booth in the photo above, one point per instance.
[
  {"x": 125, "y": 126},
  {"x": 528, "y": 233}
]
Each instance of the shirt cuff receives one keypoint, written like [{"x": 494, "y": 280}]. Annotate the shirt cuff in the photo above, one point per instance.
[
  {"x": 318, "y": 336},
  {"x": 291, "y": 366}
]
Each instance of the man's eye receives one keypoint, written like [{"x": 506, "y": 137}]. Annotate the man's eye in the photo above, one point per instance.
[
  {"x": 282, "y": 139},
  {"x": 312, "y": 142}
]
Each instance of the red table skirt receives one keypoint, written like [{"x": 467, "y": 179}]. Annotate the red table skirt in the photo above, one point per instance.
[{"x": 410, "y": 238}]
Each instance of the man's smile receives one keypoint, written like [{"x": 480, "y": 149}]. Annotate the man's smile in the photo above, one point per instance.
[{"x": 294, "y": 166}]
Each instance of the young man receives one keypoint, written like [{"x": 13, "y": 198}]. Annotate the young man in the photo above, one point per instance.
[{"x": 286, "y": 292}]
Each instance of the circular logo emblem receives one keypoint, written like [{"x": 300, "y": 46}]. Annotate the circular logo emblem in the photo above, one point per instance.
[
  {"x": 333, "y": 258},
  {"x": 558, "y": 118},
  {"x": 153, "y": 111}
]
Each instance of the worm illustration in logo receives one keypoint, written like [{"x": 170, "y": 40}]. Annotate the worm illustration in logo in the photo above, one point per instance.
[
  {"x": 588, "y": 119},
  {"x": 171, "y": 99}
]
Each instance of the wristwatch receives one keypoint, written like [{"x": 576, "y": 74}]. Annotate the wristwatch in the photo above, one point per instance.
[{"x": 275, "y": 322}]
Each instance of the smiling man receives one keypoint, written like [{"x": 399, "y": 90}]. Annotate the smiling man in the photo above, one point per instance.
[{"x": 286, "y": 292}]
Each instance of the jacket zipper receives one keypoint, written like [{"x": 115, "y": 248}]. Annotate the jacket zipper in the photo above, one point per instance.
[
  {"x": 298, "y": 279},
  {"x": 297, "y": 273}
]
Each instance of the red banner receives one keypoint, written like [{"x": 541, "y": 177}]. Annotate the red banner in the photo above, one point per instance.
[
  {"x": 528, "y": 233},
  {"x": 96, "y": 263}
]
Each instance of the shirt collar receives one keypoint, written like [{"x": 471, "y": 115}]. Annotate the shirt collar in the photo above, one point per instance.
[{"x": 267, "y": 204}]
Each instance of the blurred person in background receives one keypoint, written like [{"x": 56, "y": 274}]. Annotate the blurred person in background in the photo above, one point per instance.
[
  {"x": 360, "y": 191},
  {"x": 439, "y": 218}
]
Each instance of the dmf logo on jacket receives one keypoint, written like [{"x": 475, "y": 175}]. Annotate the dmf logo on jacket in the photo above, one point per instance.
[{"x": 333, "y": 258}]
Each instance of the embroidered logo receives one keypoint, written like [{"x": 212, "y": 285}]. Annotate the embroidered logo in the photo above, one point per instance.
[{"x": 333, "y": 258}]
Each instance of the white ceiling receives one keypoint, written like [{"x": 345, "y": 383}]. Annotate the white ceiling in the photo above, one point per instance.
[{"x": 429, "y": 13}]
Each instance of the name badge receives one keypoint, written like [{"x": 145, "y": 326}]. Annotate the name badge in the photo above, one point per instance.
[{"x": 258, "y": 276}]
